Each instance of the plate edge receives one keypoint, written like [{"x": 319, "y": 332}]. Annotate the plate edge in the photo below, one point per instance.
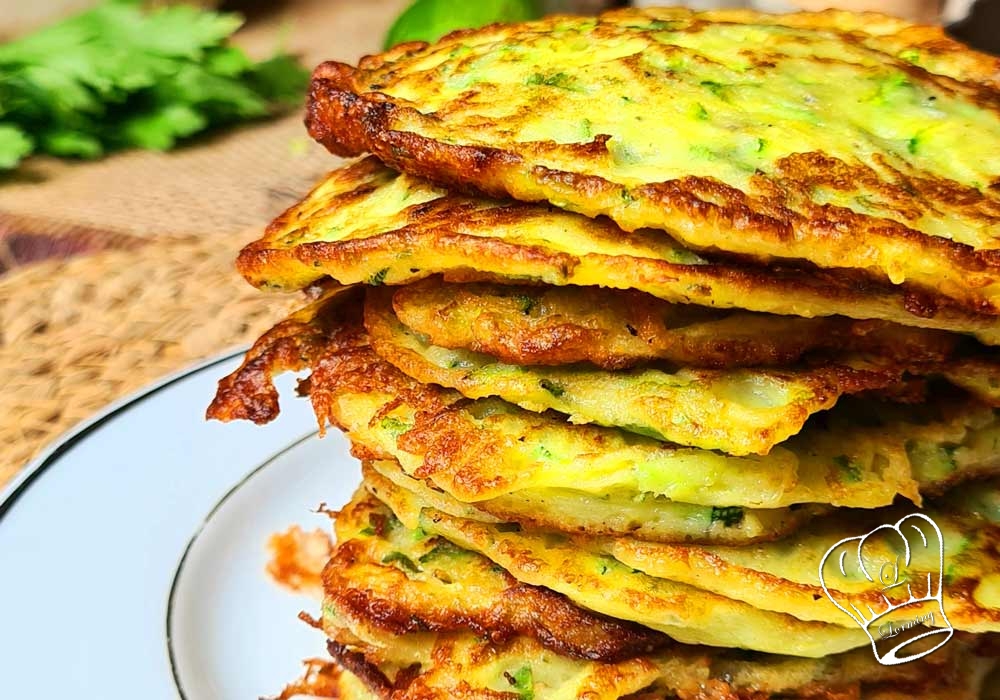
[
  {"x": 55, "y": 449},
  {"x": 178, "y": 570}
]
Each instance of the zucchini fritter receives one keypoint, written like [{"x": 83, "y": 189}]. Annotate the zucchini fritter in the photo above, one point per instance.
[
  {"x": 738, "y": 411},
  {"x": 618, "y": 329},
  {"x": 411, "y": 581},
  {"x": 850, "y": 141},
  {"x": 582, "y": 571},
  {"x": 330, "y": 322},
  {"x": 663, "y": 311},
  {"x": 782, "y": 576},
  {"x": 576, "y": 479},
  {"x": 622, "y": 569},
  {"x": 400, "y": 616},
  {"x": 465, "y": 667},
  {"x": 642, "y": 516},
  {"x": 368, "y": 224},
  {"x": 508, "y": 463},
  {"x": 598, "y": 582}
]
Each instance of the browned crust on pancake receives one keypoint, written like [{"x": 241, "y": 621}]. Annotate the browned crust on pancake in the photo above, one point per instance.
[
  {"x": 941, "y": 679},
  {"x": 451, "y": 453},
  {"x": 345, "y": 362},
  {"x": 445, "y": 228},
  {"x": 733, "y": 670},
  {"x": 348, "y": 115},
  {"x": 617, "y": 329},
  {"x": 438, "y": 436},
  {"x": 356, "y": 663},
  {"x": 321, "y": 679},
  {"x": 527, "y": 610},
  {"x": 332, "y": 108},
  {"x": 825, "y": 383},
  {"x": 349, "y": 122},
  {"x": 962, "y": 609},
  {"x": 361, "y": 370},
  {"x": 521, "y": 609},
  {"x": 248, "y": 393}
]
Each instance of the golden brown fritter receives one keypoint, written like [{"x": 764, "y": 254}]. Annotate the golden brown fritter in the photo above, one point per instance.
[
  {"x": 399, "y": 616},
  {"x": 618, "y": 329},
  {"x": 583, "y": 571},
  {"x": 329, "y": 322},
  {"x": 709, "y": 675},
  {"x": 399, "y": 581},
  {"x": 737, "y": 411},
  {"x": 368, "y": 224},
  {"x": 850, "y": 141},
  {"x": 641, "y": 516},
  {"x": 507, "y": 463},
  {"x": 782, "y": 576}
]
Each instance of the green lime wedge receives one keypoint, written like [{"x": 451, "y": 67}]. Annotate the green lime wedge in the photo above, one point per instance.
[{"x": 429, "y": 20}]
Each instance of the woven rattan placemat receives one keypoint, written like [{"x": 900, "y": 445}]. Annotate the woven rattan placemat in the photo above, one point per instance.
[{"x": 77, "y": 334}]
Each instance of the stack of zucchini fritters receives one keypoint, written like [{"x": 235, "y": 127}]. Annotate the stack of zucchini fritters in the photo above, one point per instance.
[{"x": 630, "y": 320}]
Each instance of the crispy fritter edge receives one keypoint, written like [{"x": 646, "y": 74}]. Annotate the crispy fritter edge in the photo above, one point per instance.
[
  {"x": 325, "y": 325},
  {"x": 349, "y": 121}
]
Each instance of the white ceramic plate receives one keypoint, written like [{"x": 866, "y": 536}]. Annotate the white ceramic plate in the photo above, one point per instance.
[{"x": 132, "y": 553}]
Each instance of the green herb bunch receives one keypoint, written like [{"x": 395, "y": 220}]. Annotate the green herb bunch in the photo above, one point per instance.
[{"x": 119, "y": 76}]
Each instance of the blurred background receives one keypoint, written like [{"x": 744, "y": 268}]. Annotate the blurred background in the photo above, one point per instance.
[
  {"x": 18, "y": 16},
  {"x": 116, "y": 261}
]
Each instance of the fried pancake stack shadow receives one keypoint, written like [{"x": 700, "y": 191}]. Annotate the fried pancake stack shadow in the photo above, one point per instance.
[{"x": 634, "y": 322}]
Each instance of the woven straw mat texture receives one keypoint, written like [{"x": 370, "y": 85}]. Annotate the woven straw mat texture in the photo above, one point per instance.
[
  {"x": 116, "y": 272},
  {"x": 92, "y": 329}
]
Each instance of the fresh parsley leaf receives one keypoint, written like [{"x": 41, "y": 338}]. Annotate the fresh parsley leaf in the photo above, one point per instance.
[
  {"x": 729, "y": 516},
  {"x": 119, "y": 76},
  {"x": 70, "y": 143},
  {"x": 403, "y": 561},
  {"x": 14, "y": 145},
  {"x": 160, "y": 128},
  {"x": 522, "y": 681},
  {"x": 226, "y": 60}
]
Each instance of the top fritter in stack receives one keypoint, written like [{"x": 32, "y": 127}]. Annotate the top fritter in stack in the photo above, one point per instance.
[{"x": 631, "y": 320}]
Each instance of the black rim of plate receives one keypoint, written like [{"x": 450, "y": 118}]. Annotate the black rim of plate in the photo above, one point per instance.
[
  {"x": 65, "y": 443},
  {"x": 197, "y": 534}
]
